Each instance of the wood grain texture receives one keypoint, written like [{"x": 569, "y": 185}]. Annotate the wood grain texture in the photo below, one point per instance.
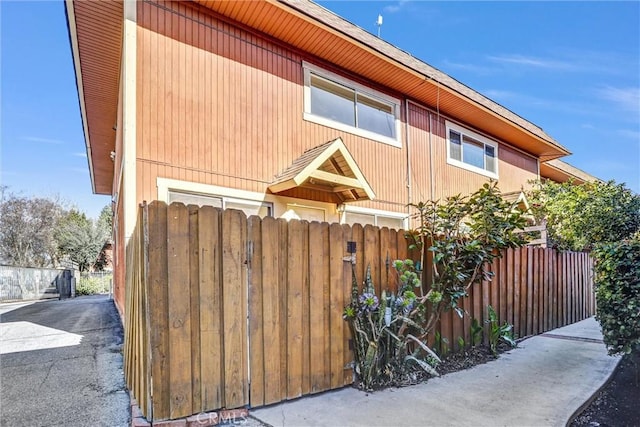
[
  {"x": 211, "y": 355},
  {"x": 235, "y": 307},
  {"x": 179, "y": 308},
  {"x": 256, "y": 312},
  {"x": 204, "y": 84},
  {"x": 231, "y": 308}
]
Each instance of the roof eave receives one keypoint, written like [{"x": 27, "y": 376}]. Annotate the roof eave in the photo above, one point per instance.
[{"x": 73, "y": 41}]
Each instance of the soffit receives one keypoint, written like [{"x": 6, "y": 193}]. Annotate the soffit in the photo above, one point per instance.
[{"x": 95, "y": 29}]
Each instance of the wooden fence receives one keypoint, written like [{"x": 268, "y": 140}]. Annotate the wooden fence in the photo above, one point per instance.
[{"x": 225, "y": 312}]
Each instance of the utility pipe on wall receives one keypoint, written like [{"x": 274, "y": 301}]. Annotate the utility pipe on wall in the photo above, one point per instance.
[{"x": 406, "y": 132}]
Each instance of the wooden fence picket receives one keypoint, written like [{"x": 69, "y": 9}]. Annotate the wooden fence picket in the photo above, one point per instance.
[{"x": 227, "y": 312}]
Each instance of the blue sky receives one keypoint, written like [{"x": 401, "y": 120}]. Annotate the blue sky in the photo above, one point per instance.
[
  {"x": 572, "y": 68},
  {"x": 43, "y": 151}
]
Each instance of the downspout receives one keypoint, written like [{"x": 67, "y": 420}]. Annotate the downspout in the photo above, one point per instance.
[
  {"x": 407, "y": 133},
  {"x": 431, "y": 174}
]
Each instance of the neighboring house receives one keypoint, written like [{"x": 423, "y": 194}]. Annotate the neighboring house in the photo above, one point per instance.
[
  {"x": 105, "y": 257},
  {"x": 279, "y": 108}
]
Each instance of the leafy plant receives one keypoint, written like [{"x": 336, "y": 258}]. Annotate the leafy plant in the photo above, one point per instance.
[
  {"x": 441, "y": 344},
  {"x": 80, "y": 238},
  {"x": 581, "y": 216},
  {"x": 617, "y": 281},
  {"x": 384, "y": 329},
  {"x": 605, "y": 218},
  {"x": 463, "y": 236},
  {"x": 476, "y": 332},
  {"x": 461, "y": 342},
  {"x": 498, "y": 332}
]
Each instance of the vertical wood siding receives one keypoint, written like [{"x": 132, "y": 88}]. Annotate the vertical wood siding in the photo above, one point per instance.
[
  {"x": 220, "y": 105},
  {"x": 515, "y": 169}
]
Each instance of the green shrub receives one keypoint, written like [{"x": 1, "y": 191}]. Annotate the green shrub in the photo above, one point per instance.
[
  {"x": 497, "y": 332},
  {"x": 91, "y": 285},
  {"x": 617, "y": 282}
]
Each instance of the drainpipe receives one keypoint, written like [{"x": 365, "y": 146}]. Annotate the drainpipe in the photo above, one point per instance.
[
  {"x": 431, "y": 174},
  {"x": 406, "y": 131}
]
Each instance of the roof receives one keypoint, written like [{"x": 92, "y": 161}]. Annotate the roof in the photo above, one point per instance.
[
  {"x": 559, "y": 171},
  {"x": 325, "y": 36},
  {"x": 394, "y": 53},
  {"x": 328, "y": 167}
]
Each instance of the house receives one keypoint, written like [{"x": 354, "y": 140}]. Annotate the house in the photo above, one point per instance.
[
  {"x": 105, "y": 258},
  {"x": 279, "y": 108},
  {"x": 559, "y": 171}
]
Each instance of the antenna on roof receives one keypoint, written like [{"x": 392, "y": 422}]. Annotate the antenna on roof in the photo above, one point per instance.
[{"x": 379, "y": 24}]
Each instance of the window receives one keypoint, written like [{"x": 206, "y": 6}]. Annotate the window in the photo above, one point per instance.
[
  {"x": 249, "y": 207},
  {"x": 307, "y": 213},
  {"x": 471, "y": 151},
  {"x": 379, "y": 220},
  {"x": 336, "y": 102}
]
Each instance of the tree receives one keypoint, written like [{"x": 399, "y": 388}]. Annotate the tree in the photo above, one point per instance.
[
  {"x": 603, "y": 217},
  {"x": 105, "y": 224},
  {"x": 80, "y": 239},
  {"x": 464, "y": 236},
  {"x": 105, "y": 220},
  {"x": 26, "y": 230},
  {"x": 580, "y": 216}
]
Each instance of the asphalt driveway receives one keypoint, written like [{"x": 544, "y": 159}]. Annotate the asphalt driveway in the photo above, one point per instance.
[{"x": 61, "y": 364}]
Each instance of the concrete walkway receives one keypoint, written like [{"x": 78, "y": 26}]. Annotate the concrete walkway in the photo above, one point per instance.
[
  {"x": 540, "y": 383},
  {"x": 61, "y": 364}
]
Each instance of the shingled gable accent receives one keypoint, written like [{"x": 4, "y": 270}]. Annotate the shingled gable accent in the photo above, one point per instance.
[{"x": 329, "y": 167}]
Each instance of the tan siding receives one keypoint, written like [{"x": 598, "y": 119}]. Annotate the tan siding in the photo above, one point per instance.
[
  {"x": 419, "y": 153},
  {"x": 220, "y": 106}
]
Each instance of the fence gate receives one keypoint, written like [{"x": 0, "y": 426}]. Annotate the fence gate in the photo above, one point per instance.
[{"x": 296, "y": 293}]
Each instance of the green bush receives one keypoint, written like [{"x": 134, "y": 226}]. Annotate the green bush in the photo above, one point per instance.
[
  {"x": 91, "y": 285},
  {"x": 581, "y": 216},
  {"x": 617, "y": 281}
]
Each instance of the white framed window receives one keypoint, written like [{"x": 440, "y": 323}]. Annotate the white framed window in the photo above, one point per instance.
[
  {"x": 336, "y": 102},
  {"x": 249, "y": 207},
  {"x": 472, "y": 151},
  {"x": 363, "y": 216},
  {"x": 308, "y": 213}
]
